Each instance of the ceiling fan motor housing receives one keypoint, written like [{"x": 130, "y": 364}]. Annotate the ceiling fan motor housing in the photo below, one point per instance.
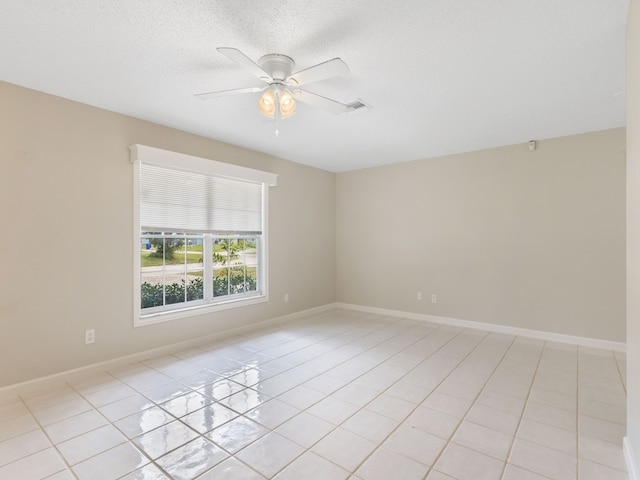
[{"x": 277, "y": 65}]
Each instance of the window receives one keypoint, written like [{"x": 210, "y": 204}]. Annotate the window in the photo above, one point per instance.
[{"x": 200, "y": 235}]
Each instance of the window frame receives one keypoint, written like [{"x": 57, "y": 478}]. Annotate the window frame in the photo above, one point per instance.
[{"x": 179, "y": 161}]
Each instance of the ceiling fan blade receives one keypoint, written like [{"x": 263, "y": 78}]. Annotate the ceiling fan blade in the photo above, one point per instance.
[
  {"x": 319, "y": 101},
  {"x": 244, "y": 61},
  {"x": 331, "y": 68},
  {"x": 222, "y": 93}
]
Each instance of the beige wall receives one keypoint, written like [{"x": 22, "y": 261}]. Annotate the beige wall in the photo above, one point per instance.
[
  {"x": 507, "y": 236},
  {"x": 633, "y": 231},
  {"x": 533, "y": 240},
  {"x": 66, "y": 242}
]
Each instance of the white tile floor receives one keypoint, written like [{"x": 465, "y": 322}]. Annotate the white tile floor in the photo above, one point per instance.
[{"x": 337, "y": 395}]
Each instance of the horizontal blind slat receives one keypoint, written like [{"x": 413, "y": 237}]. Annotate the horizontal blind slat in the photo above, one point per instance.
[{"x": 175, "y": 200}]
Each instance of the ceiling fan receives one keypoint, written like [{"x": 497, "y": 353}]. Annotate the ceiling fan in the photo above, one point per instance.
[{"x": 282, "y": 88}]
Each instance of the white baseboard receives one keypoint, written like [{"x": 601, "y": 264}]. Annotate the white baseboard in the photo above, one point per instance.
[
  {"x": 28, "y": 388},
  {"x": 632, "y": 465},
  {"x": 38, "y": 385},
  {"x": 492, "y": 327}
]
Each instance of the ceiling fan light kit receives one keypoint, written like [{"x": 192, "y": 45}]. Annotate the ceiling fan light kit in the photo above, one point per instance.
[
  {"x": 280, "y": 96},
  {"x": 277, "y": 101}
]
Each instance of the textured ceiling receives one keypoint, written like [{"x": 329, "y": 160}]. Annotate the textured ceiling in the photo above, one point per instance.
[{"x": 442, "y": 76}]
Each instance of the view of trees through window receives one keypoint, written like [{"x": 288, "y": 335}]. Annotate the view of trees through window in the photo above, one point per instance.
[{"x": 178, "y": 268}]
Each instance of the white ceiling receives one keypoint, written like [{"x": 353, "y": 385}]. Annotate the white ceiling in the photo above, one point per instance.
[{"x": 442, "y": 76}]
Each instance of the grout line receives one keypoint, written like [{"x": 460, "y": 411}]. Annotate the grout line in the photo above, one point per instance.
[
  {"x": 53, "y": 445},
  {"x": 462, "y": 419},
  {"x": 438, "y": 328},
  {"x": 524, "y": 407},
  {"x": 578, "y": 462},
  {"x": 419, "y": 404},
  {"x": 109, "y": 422},
  {"x": 273, "y": 430},
  {"x": 362, "y": 334},
  {"x": 622, "y": 376},
  {"x": 327, "y": 395},
  {"x": 382, "y": 326}
]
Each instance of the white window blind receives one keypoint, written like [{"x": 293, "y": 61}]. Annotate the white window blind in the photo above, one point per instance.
[
  {"x": 210, "y": 203},
  {"x": 183, "y": 201}
]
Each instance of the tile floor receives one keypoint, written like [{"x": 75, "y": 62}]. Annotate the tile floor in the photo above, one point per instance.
[{"x": 336, "y": 395}]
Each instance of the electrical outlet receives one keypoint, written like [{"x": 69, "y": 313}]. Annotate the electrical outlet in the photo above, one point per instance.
[
  {"x": 286, "y": 298},
  {"x": 89, "y": 336},
  {"x": 434, "y": 299},
  {"x": 419, "y": 295}
]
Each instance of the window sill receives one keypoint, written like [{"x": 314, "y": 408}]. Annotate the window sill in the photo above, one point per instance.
[{"x": 160, "y": 317}]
